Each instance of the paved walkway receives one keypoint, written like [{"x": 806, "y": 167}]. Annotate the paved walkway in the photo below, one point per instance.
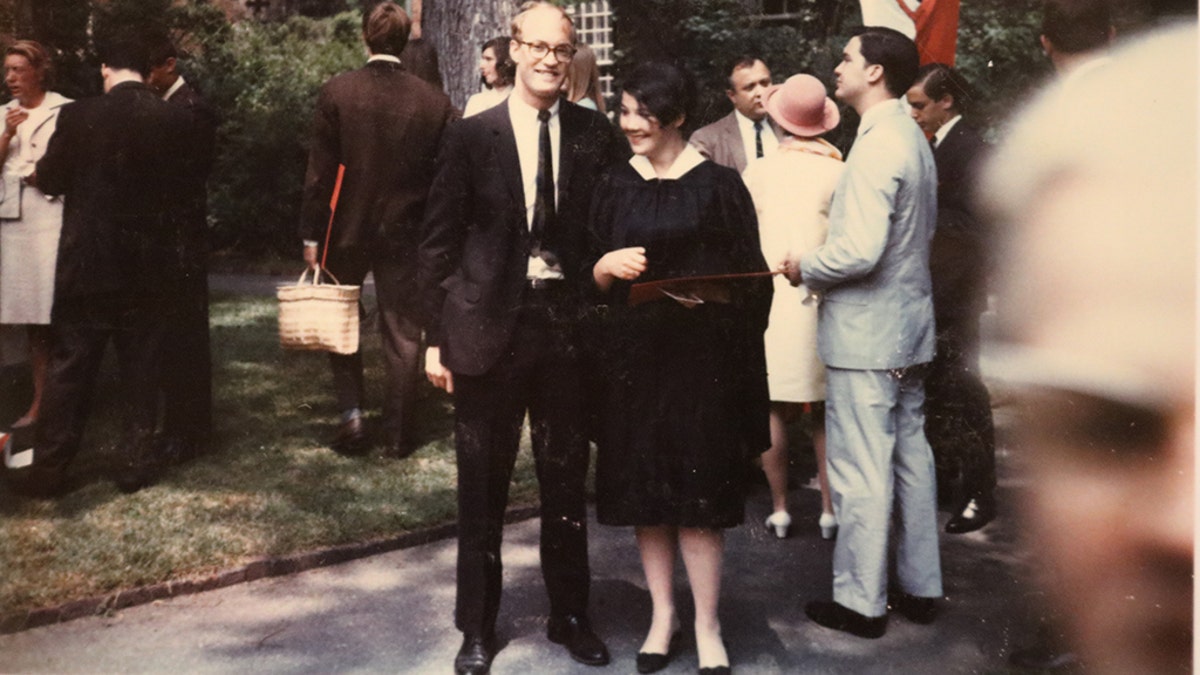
[{"x": 393, "y": 612}]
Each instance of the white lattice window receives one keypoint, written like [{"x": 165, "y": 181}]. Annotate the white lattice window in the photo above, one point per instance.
[{"x": 593, "y": 24}]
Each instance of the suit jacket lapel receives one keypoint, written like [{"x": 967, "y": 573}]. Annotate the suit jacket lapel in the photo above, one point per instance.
[
  {"x": 507, "y": 156},
  {"x": 569, "y": 128},
  {"x": 733, "y": 140}
]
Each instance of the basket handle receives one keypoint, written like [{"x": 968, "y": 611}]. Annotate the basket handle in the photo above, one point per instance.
[{"x": 317, "y": 276}]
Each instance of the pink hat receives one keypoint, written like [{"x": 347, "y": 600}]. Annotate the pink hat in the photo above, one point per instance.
[{"x": 801, "y": 106}]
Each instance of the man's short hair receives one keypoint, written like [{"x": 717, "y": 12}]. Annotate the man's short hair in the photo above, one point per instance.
[
  {"x": 893, "y": 50},
  {"x": 161, "y": 48},
  {"x": 666, "y": 90},
  {"x": 385, "y": 28},
  {"x": 519, "y": 20},
  {"x": 1075, "y": 26},
  {"x": 125, "y": 49},
  {"x": 940, "y": 80},
  {"x": 737, "y": 63},
  {"x": 38, "y": 57}
]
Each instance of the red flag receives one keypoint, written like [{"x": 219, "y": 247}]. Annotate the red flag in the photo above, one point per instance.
[{"x": 937, "y": 29}]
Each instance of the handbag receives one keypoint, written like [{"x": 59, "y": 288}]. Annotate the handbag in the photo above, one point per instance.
[
  {"x": 10, "y": 197},
  {"x": 316, "y": 316},
  {"x": 319, "y": 317}
]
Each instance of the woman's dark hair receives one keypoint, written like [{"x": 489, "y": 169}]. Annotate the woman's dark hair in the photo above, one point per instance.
[
  {"x": 666, "y": 90},
  {"x": 506, "y": 70}
]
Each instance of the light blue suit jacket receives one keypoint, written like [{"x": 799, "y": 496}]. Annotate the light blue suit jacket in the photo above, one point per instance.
[{"x": 873, "y": 270}]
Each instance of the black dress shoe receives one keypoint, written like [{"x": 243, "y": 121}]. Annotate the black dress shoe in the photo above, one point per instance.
[
  {"x": 915, "y": 608},
  {"x": 652, "y": 662},
  {"x": 474, "y": 656},
  {"x": 573, "y": 632},
  {"x": 139, "y": 468},
  {"x": 716, "y": 670},
  {"x": 832, "y": 615},
  {"x": 351, "y": 438},
  {"x": 977, "y": 512}
]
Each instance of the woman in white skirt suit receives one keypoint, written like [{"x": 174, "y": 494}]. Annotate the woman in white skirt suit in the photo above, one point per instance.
[
  {"x": 28, "y": 241},
  {"x": 792, "y": 190}
]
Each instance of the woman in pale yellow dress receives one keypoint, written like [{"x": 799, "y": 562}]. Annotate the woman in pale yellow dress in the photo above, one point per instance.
[{"x": 792, "y": 190}]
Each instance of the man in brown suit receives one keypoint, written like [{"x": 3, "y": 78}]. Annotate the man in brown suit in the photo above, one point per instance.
[
  {"x": 747, "y": 132},
  {"x": 384, "y": 125}
]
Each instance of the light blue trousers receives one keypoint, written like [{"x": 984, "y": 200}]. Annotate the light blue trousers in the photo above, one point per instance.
[{"x": 878, "y": 456}]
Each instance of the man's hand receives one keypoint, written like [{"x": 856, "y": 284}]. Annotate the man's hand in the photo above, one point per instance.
[
  {"x": 791, "y": 270},
  {"x": 310, "y": 256},
  {"x": 439, "y": 375}
]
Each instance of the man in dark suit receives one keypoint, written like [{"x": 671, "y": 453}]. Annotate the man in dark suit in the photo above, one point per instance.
[
  {"x": 122, "y": 163},
  {"x": 747, "y": 132},
  {"x": 187, "y": 365},
  {"x": 502, "y": 286},
  {"x": 383, "y": 125},
  {"x": 958, "y": 411},
  {"x": 419, "y": 56}
]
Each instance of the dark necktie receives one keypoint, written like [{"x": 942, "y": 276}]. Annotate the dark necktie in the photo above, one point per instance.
[
  {"x": 933, "y": 142},
  {"x": 543, "y": 205},
  {"x": 758, "y": 139}
]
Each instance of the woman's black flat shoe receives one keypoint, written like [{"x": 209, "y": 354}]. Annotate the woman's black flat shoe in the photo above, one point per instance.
[{"x": 650, "y": 662}]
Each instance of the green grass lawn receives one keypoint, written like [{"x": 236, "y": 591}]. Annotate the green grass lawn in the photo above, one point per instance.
[{"x": 270, "y": 486}]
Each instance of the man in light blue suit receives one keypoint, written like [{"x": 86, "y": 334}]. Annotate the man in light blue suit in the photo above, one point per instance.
[{"x": 875, "y": 335}]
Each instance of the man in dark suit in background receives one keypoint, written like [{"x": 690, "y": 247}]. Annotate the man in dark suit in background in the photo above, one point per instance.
[
  {"x": 958, "y": 410},
  {"x": 419, "y": 56},
  {"x": 383, "y": 124},
  {"x": 122, "y": 162},
  {"x": 187, "y": 363},
  {"x": 502, "y": 288},
  {"x": 747, "y": 132}
]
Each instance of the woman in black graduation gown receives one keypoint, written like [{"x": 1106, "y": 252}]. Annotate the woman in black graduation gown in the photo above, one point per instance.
[{"x": 685, "y": 400}]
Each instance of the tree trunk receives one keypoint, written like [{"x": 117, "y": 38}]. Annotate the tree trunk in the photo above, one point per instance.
[{"x": 458, "y": 29}]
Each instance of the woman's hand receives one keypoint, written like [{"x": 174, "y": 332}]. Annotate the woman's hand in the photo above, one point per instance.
[
  {"x": 624, "y": 263},
  {"x": 791, "y": 269},
  {"x": 13, "y": 119}
]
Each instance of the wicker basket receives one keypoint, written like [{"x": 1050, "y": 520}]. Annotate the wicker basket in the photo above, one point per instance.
[{"x": 320, "y": 317}]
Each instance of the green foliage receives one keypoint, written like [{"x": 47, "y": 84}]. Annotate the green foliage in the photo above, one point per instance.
[
  {"x": 264, "y": 81},
  {"x": 997, "y": 49}
]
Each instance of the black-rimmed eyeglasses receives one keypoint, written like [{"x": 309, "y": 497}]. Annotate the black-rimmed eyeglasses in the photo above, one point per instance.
[{"x": 564, "y": 53}]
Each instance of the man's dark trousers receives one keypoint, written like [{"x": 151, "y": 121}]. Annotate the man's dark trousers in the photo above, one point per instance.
[
  {"x": 540, "y": 373},
  {"x": 399, "y": 302},
  {"x": 958, "y": 412},
  {"x": 81, "y": 329}
]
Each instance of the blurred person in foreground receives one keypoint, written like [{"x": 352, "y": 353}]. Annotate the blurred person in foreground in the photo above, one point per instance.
[{"x": 1106, "y": 361}]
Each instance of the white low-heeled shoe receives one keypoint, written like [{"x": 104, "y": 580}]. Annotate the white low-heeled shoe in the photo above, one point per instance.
[
  {"x": 829, "y": 525},
  {"x": 779, "y": 521}
]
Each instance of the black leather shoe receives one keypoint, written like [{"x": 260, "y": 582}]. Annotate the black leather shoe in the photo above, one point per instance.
[
  {"x": 351, "y": 438},
  {"x": 652, "y": 662},
  {"x": 139, "y": 468},
  {"x": 832, "y": 615},
  {"x": 977, "y": 512},
  {"x": 716, "y": 670},
  {"x": 573, "y": 632},
  {"x": 474, "y": 656},
  {"x": 915, "y": 608}
]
